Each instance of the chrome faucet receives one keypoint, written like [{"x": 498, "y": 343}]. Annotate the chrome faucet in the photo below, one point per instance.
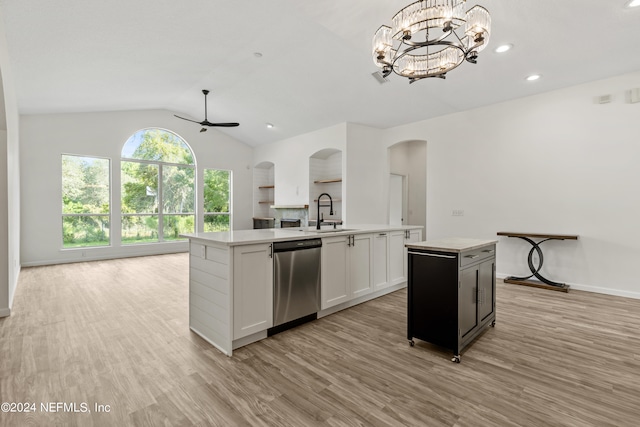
[{"x": 320, "y": 205}]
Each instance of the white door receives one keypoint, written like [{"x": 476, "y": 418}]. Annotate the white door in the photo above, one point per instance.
[{"x": 397, "y": 199}]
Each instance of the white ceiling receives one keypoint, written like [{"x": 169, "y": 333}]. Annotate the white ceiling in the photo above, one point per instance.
[{"x": 79, "y": 56}]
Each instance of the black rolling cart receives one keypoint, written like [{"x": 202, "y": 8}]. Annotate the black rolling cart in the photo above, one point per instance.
[{"x": 451, "y": 291}]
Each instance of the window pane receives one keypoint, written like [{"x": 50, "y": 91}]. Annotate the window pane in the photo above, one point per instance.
[
  {"x": 177, "y": 189},
  {"x": 83, "y": 231},
  {"x": 139, "y": 188},
  {"x": 85, "y": 185},
  {"x": 139, "y": 229},
  {"x": 216, "y": 222},
  {"x": 216, "y": 190},
  {"x": 174, "y": 225},
  {"x": 157, "y": 145}
]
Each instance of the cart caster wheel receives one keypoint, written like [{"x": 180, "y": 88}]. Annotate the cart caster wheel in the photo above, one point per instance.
[
  {"x": 455, "y": 359},
  {"x": 493, "y": 324},
  {"x": 412, "y": 343}
]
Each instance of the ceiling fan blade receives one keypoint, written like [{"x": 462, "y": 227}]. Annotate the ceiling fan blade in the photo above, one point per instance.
[
  {"x": 206, "y": 122},
  {"x": 189, "y": 120},
  {"x": 224, "y": 125}
]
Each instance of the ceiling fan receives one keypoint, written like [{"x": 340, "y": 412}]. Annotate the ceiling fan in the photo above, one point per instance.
[{"x": 206, "y": 122}]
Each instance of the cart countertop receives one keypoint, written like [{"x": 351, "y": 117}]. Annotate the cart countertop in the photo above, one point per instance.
[{"x": 451, "y": 244}]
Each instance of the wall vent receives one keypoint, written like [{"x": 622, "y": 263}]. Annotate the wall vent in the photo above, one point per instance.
[{"x": 603, "y": 99}]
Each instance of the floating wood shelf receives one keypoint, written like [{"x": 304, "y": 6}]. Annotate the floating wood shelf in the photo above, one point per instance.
[
  {"x": 290, "y": 206},
  {"x": 262, "y": 187},
  {"x": 334, "y": 200},
  {"x": 327, "y": 181}
]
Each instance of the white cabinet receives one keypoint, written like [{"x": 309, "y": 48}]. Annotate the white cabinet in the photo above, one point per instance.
[
  {"x": 381, "y": 260},
  {"x": 334, "y": 274},
  {"x": 413, "y": 236},
  {"x": 346, "y": 268},
  {"x": 397, "y": 258},
  {"x": 398, "y": 253},
  {"x": 360, "y": 264},
  {"x": 252, "y": 289}
]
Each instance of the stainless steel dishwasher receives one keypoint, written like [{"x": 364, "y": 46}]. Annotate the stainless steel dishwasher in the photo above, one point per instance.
[{"x": 296, "y": 283}]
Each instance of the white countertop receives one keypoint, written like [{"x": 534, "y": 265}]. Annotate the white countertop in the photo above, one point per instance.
[
  {"x": 263, "y": 235},
  {"x": 451, "y": 244}
]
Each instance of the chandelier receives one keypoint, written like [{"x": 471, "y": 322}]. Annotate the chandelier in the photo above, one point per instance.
[{"x": 450, "y": 35}]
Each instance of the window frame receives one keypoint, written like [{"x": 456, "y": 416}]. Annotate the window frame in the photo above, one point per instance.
[
  {"x": 109, "y": 214},
  {"x": 159, "y": 207},
  {"x": 230, "y": 193}
]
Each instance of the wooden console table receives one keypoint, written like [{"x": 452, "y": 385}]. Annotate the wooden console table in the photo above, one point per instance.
[{"x": 535, "y": 271}]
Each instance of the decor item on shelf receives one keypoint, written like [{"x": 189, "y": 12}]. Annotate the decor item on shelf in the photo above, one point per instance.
[
  {"x": 398, "y": 49},
  {"x": 206, "y": 122}
]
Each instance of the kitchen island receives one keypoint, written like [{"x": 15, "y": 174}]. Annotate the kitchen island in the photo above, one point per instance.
[{"x": 231, "y": 275}]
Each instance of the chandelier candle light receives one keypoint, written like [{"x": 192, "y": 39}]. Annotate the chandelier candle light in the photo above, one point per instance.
[{"x": 432, "y": 57}]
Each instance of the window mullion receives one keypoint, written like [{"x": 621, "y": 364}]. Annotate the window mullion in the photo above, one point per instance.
[{"x": 160, "y": 203}]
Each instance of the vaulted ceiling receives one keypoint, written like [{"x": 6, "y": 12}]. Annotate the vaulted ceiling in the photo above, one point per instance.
[{"x": 315, "y": 65}]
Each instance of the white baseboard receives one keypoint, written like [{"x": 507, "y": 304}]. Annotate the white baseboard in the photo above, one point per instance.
[
  {"x": 595, "y": 289},
  {"x": 360, "y": 300},
  {"x": 101, "y": 257},
  {"x": 5, "y": 312}
]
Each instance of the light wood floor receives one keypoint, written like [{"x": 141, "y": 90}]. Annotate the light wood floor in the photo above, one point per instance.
[{"x": 116, "y": 333}]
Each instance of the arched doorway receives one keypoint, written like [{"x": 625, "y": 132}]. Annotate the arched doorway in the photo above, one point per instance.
[{"x": 408, "y": 183}]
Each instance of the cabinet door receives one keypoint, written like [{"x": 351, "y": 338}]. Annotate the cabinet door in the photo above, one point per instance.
[
  {"x": 432, "y": 295},
  {"x": 380, "y": 260},
  {"x": 467, "y": 302},
  {"x": 397, "y": 258},
  {"x": 360, "y": 264},
  {"x": 252, "y": 289},
  {"x": 335, "y": 289},
  {"x": 414, "y": 236},
  {"x": 486, "y": 289}
]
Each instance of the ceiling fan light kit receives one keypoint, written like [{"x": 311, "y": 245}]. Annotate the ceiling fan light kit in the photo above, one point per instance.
[
  {"x": 206, "y": 122},
  {"x": 450, "y": 34}
]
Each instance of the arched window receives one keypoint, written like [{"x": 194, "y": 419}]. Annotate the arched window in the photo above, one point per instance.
[{"x": 158, "y": 187}]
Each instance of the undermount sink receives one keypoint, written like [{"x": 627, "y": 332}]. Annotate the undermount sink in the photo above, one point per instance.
[
  {"x": 333, "y": 230},
  {"x": 322, "y": 230}
]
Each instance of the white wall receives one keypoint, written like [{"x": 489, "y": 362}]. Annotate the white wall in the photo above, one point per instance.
[
  {"x": 367, "y": 176},
  {"x": 291, "y": 161},
  {"x": 9, "y": 182},
  {"x": 46, "y": 137},
  {"x": 551, "y": 163}
]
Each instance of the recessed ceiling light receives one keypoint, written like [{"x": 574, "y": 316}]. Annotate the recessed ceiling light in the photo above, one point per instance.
[
  {"x": 533, "y": 77},
  {"x": 633, "y": 3},
  {"x": 269, "y": 126},
  {"x": 503, "y": 48}
]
